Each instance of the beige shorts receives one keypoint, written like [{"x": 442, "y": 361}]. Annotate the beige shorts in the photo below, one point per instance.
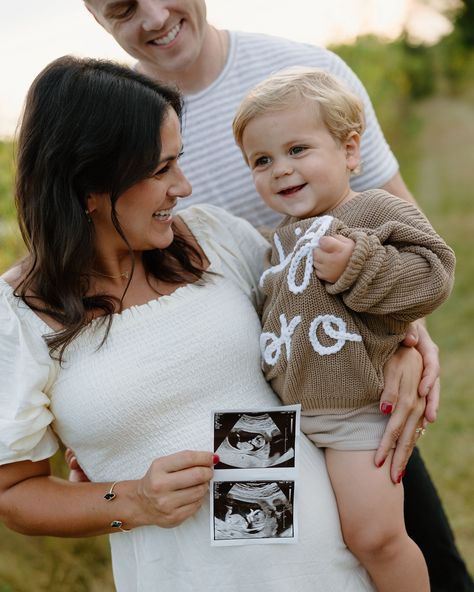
[{"x": 354, "y": 429}]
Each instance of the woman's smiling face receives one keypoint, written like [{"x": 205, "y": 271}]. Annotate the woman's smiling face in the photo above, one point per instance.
[{"x": 145, "y": 210}]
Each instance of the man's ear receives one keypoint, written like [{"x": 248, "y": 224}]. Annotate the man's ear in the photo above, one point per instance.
[{"x": 352, "y": 149}]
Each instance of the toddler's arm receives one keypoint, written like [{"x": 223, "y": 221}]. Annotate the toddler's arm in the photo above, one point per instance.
[{"x": 406, "y": 275}]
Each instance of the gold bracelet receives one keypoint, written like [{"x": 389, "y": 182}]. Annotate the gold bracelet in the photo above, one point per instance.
[
  {"x": 109, "y": 496},
  {"x": 119, "y": 525}
]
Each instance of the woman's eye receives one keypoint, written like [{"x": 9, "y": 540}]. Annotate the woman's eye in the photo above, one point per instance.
[
  {"x": 166, "y": 167},
  {"x": 162, "y": 171}
]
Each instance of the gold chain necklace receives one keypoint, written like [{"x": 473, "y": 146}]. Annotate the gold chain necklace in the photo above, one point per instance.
[{"x": 125, "y": 275}]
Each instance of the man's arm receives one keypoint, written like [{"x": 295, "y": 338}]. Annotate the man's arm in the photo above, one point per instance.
[
  {"x": 396, "y": 186},
  {"x": 417, "y": 335}
]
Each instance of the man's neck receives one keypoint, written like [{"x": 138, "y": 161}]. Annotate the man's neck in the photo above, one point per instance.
[{"x": 203, "y": 71}]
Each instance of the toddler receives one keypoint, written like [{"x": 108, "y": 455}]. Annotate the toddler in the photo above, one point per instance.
[{"x": 347, "y": 273}]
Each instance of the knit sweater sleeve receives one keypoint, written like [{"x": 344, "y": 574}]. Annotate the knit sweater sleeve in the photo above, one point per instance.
[{"x": 400, "y": 266}]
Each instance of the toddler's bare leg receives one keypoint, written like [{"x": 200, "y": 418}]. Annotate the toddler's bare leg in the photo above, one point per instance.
[{"x": 371, "y": 511}]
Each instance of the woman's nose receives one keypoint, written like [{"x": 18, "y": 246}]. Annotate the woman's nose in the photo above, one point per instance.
[{"x": 182, "y": 187}]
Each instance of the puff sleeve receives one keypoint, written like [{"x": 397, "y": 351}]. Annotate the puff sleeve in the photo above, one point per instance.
[
  {"x": 240, "y": 248},
  {"x": 26, "y": 371}
]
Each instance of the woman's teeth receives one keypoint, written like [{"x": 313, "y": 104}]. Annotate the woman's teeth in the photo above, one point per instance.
[
  {"x": 170, "y": 36},
  {"x": 162, "y": 215}
]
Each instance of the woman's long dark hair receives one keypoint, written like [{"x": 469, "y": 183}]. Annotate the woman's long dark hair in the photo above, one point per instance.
[{"x": 89, "y": 126}]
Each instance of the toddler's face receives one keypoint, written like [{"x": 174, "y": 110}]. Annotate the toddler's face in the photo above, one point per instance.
[{"x": 297, "y": 166}]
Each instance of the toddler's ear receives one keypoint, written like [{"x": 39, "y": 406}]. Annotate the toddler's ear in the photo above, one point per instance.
[{"x": 352, "y": 149}]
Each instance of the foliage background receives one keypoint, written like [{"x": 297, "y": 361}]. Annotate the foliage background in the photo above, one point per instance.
[{"x": 424, "y": 98}]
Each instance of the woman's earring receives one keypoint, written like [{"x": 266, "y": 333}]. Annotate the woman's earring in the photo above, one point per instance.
[{"x": 88, "y": 215}]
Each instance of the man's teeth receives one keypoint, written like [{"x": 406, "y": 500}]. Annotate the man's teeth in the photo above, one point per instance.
[
  {"x": 170, "y": 36},
  {"x": 163, "y": 214}
]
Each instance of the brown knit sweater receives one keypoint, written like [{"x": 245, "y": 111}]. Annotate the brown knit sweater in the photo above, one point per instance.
[{"x": 324, "y": 345}]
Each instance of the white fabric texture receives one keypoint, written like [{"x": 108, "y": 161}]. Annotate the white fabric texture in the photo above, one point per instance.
[
  {"x": 148, "y": 392},
  {"x": 27, "y": 373},
  {"x": 213, "y": 163}
]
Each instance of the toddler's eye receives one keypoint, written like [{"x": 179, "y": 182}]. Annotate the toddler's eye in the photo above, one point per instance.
[
  {"x": 261, "y": 161},
  {"x": 297, "y": 149}
]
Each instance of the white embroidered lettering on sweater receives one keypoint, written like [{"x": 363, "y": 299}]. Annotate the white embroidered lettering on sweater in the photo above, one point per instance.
[
  {"x": 334, "y": 327},
  {"x": 270, "y": 343},
  {"x": 341, "y": 335},
  {"x": 302, "y": 251}
]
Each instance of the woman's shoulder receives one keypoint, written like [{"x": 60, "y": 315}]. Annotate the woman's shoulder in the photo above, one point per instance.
[
  {"x": 11, "y": 278},
  {"x": 206, "y": 213},
  {"x": 9, "y": 281},
  {"x": 231, "y": 243},
  {"x": 209, "y": 222},
  {"x": 15, "y": 315}
]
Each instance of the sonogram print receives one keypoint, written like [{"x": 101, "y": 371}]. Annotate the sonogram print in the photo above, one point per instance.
[
  {"x": 255, "y": 440},
  {"x": 253, "y": 510}
]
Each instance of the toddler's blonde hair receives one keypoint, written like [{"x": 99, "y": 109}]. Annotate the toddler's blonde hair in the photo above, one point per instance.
[{"x": 336, "y": 106}]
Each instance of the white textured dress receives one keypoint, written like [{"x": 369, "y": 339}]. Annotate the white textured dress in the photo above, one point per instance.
[{"x": 148, "y": 392}]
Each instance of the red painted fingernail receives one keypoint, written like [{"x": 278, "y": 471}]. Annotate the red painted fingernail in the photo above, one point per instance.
[
  {"x": 380, "y": 463},
  {"x": 400, "y": 477},
  {"x": 386, "y": 408},
  {"x": 215, "y": 459}
]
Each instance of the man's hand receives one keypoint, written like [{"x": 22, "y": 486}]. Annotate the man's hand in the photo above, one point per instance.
[{"x": 331, "y": 257}]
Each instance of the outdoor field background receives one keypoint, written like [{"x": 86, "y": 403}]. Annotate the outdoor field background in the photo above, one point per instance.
[{"x": 424, "y": 97}]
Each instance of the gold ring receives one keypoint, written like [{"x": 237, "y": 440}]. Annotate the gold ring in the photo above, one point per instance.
[{"x": 421, "y": 431}]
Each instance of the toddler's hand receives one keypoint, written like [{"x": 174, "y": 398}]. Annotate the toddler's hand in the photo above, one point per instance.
[
  {"x": 76, "y": 474},
  {"x": 330, "y": 259}
]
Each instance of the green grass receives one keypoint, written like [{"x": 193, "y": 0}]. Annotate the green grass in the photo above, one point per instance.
[
  {"x": 11, "y": 245},
  {"x": 442, "y": 178},
  {"x": 435, "y": 152}
]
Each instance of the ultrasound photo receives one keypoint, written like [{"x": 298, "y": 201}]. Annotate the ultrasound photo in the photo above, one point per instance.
[
  {"x": 251, "y": 440},
  {"x": 253, "y": 510}
]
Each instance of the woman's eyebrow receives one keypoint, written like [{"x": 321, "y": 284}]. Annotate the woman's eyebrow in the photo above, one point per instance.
[{"x": 171, "y": 156}]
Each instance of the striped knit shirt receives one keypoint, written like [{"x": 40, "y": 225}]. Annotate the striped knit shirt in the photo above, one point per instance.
[{"x": 213, "y": 163}]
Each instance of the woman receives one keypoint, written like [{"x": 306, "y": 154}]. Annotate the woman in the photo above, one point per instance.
[{"x": 120, "y": 331}]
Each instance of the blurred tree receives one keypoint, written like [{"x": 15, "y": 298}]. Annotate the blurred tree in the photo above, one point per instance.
[
  {"x": 419, "y": 67},
  {"x": 464, "y": 23}
]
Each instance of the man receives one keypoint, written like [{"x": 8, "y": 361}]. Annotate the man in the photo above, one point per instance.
[{"x": 172, "y": 41}]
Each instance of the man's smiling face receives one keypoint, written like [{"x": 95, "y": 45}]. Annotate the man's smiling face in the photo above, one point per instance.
[{"x": 165, "y": 35}]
